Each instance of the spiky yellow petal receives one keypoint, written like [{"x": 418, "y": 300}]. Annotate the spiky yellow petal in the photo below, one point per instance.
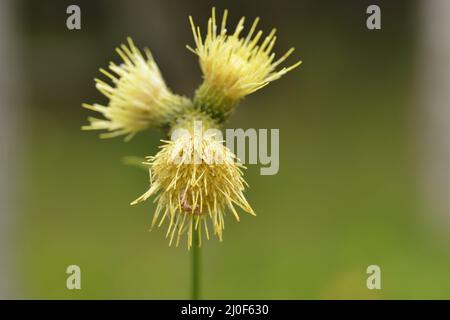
[
  {"x": 138, "y": 96},
  {"x": 196, "y": 180},
  {"x": 234, "y": 66}
]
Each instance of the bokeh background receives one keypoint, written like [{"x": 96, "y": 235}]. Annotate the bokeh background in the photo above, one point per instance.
[{"x": 364, "y": 138}]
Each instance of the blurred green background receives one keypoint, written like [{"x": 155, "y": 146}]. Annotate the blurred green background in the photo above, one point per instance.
[{"x": 347, "y": 194}]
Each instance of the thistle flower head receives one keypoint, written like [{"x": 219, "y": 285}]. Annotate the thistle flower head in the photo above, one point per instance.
[
  {"x": 138, "y": 96},
  {"x": 235, "y": 66},
  {"x": 196, "y": 180}
]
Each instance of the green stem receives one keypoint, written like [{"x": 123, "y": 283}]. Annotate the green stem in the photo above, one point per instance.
[{"x": 195, "y": 267}]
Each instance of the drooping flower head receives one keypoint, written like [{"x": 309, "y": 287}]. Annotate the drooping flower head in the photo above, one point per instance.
[
  {"x": 234, "y": 66},
  {"x": 196, "y": 180},
  {"x": 138, "y": 96}
]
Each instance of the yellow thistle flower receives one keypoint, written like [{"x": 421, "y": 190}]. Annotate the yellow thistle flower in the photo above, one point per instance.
[
  {"x": 138, "y": 97},
  {"x": 196, "y": 178},
  {"x": 234, "y": 66}
]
